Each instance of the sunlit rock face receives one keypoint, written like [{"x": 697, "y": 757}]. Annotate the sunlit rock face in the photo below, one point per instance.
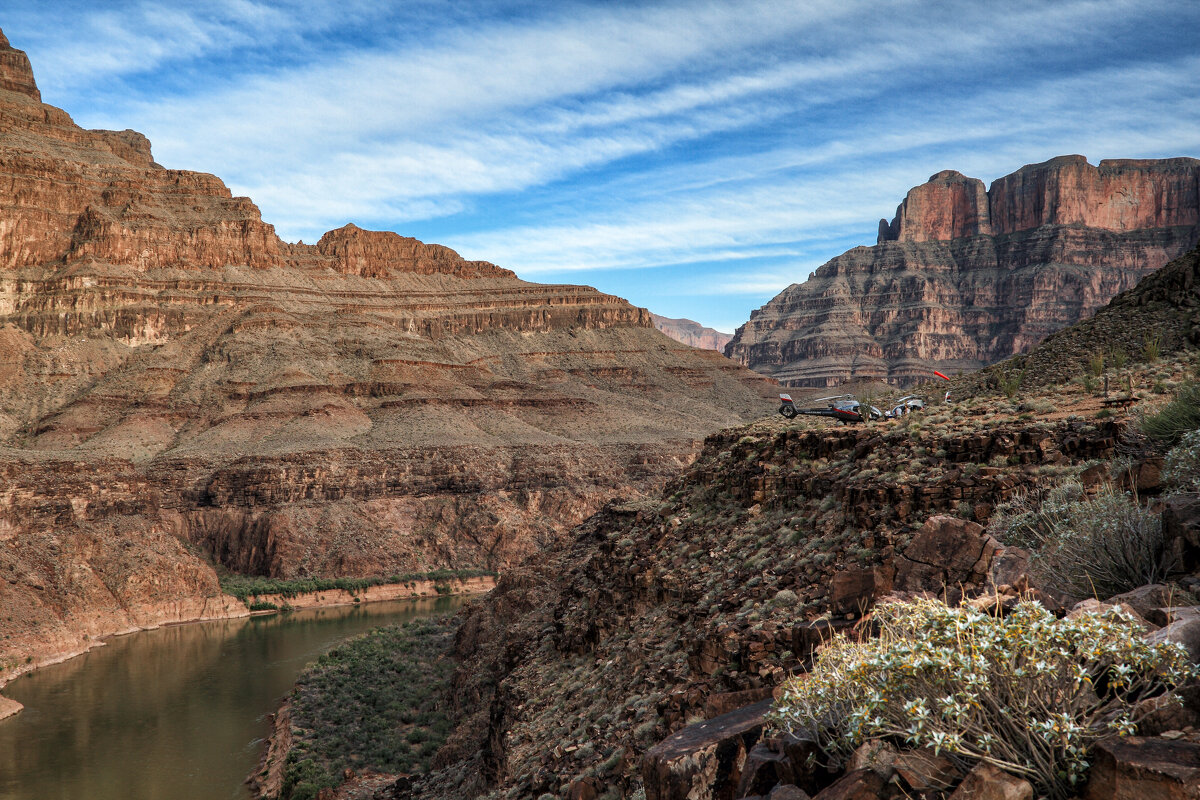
[
  {"x": 964, "y": 277},
  {"x": 178, "y": 384}
]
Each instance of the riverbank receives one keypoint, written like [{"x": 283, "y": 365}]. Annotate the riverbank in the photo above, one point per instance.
[
  {"x": 9, "y": 707},
  {"x": 226, "y": 606},
  {"x": 379, "y": 593},
  {"x": 177, "y": 712},
  {"x": 65, "y": 644}
]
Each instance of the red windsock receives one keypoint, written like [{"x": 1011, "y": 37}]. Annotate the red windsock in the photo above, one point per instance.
[{"x": 940, "y": 375}]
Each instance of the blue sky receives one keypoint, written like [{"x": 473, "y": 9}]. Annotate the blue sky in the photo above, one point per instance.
[{"x": 695, "y": 157}]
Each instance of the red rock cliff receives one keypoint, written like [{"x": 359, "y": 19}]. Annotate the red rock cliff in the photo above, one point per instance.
[
  {"x": 962, "y": 278},
  {"x": 177, "y": 383}
]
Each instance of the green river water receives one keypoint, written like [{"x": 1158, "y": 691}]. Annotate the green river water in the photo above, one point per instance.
[{"x": 177, "y": 713}]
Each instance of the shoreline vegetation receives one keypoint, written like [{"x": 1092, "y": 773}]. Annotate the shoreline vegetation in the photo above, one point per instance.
[
  {"x": 371, "y": 704},
  {"x": 261, "y": 594}
]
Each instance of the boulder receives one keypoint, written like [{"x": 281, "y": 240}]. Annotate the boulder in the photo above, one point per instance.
[
  {"x": 1181, "y": 530},
  {"x": 986, "y": 782},
  {"x": 1094, "y": 606},
  {"x": 723, "y": 702},
  {"x": 1010, "y": 567},
  {"x": 1139, "y": 768},
  {"x": 1168, "y": 614},
  {"x": 875, "y": 755},
  {"x": 923, "y": 770},
  {"x": 704, "y": 761},
  {"x": 584, "y": 789},
  {"x": 949, "y": 555},
  {"x": 1144, "y": 477},
  {"x": 862, "y": 784},
  {"x": 855, "y": 590},
  {"x": 1166, "y": 712},
  {"x": 765, "y": 768},
  {"x": 1185, "y": 632},
  {"x": 1145, "y": 599}
]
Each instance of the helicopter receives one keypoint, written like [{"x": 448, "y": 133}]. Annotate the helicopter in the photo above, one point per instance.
[{"x": 848, "y": 410}]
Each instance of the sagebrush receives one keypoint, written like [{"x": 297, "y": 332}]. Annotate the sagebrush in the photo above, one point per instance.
[{"x": 1086, "y": 546}]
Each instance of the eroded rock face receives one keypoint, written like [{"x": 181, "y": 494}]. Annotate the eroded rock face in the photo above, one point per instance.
[
  {"x": 177, "y": 383},
  {"x": 692, "y": 333},
  {"x": 962, "y": 278}
]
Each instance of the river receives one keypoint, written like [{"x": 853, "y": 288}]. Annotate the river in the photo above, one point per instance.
[{"x": 177, "y": 713}]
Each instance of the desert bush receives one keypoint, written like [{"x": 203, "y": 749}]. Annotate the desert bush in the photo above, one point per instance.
[
  {"x": 1096, "y": 364},
  {"x": 1009, "y": 382},
  {"x": 1181, "y": 467},
  {"x": 1118, "y": 357},
  {"x": 1019, "y": 692},
  {"x": 1151, "y": 348},
  {"x": 1178, "y": 417},
  {"x": 1086, "y": 546}
]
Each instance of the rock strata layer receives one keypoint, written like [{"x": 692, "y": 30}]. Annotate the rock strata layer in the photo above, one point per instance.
[
  {"x": 964, "y": 277},
  {"x": 178, "y": 385}
]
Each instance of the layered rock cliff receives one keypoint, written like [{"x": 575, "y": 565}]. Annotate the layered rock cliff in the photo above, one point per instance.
[
  {"x": 692, "y": 333},
  {"x": 964, "y": 277},
  {"x": 179, "y": 385}
]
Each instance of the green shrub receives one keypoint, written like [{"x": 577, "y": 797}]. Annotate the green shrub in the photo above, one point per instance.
[
  {"x": 1178, "y": 417},
  {"x": 1016, "y": 691},
  {"x": 1181, "y": 467},
  {"x": 263, "y": 605},
  {"x": 1151, "y": 348},
  {"x": 1009, "y": 382},
  {"x": 1086, "y": 546},
  {"x": 1118, "y": 357},
  {"x": 1096, "y": 364}
]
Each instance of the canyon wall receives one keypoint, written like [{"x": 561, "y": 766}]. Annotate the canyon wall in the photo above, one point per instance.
[
  {"x": 692, "y": 333},
  {"x": 964, "y": 277},
  {"x": 178, "y": 386}
]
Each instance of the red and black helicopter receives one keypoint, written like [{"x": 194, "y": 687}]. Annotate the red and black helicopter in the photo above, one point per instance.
[{"x": 847, "y": 409}]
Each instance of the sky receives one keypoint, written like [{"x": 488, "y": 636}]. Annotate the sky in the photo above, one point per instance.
[{"x": 693, "y": 157}]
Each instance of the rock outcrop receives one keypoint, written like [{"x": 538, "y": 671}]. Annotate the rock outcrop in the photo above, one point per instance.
[
  {"x": 964, "y": 277},
  {"x": 179, "y": 385},
  {"x": 692, "y": 333},
  {"x": 600, "y": 662}
]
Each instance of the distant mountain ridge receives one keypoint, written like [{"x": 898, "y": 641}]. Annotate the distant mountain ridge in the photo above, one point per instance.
[
  {"x": 963, "y": 277},
  {"x": 692, "y": 333}
]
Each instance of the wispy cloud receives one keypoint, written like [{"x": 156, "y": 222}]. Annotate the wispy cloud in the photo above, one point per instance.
[{"x": 743, "y": 140}]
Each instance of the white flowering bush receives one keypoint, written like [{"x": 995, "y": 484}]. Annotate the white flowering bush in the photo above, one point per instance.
[{"x": 1027, "y": 693}]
